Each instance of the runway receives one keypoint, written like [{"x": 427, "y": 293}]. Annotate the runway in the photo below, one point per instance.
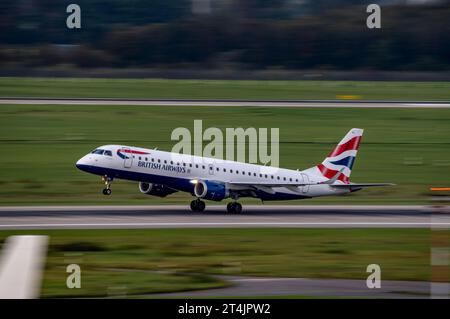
[
  {"x": 229, "y": 103},
  {"x": 280, "y": 216},
  {"x": 253, "y": 216}
]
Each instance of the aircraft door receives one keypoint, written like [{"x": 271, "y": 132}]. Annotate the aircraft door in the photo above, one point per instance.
[
  {"x": 305, "y": 179},
  {"x": 128, "y": 159}
]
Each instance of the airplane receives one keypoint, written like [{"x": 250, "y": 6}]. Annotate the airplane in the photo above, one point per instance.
[{"x": 162, "y": 173}]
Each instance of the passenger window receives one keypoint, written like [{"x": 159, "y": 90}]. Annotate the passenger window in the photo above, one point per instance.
[
  {"x": 203, "y": 166},
  {"x": 217, "y": 169},
  {"x": 171, "y": 162},
  {"x": 231, "y": 171},
  {"x": 165, "y": 162},
  {"x": 159, "y": 161},
  {"x": 139, "y": 158},
  {"x": 249, "y": 174},
  {"x": 271, "y": 177},
  {"x": 153, "y": 159},
  {"x": 224, "y": 169},
  {"x": 278, "y": 177}
]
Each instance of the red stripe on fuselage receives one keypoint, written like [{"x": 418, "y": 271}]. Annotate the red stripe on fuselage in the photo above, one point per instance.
[
  {"x": 330, "y": 173},
  {"x": 352, "y": 144},
  {"x": 134, "y": 152}
]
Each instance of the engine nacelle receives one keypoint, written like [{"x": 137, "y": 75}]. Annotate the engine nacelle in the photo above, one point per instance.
[
  {"x": 211, "y": 190},
  {"x": 155, "y": 189}
]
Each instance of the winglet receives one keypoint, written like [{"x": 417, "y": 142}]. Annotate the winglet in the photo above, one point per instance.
[{"x": 335, "y": 177}]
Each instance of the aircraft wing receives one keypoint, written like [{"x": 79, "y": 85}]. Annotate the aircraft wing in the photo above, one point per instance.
[
  {"x": 267, "y": 186},
  {"x": 360, "y": 185}
]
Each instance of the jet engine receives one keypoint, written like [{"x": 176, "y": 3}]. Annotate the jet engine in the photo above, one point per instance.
[
  {"x": 211, "y": 190},
  {"x": 159, "y": 190}
]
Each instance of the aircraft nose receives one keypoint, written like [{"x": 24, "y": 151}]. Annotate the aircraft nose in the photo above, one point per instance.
[{"x": 81, "y": 163}]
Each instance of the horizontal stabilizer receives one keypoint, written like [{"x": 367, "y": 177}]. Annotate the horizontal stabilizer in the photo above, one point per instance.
[{"x": 335, "y": 178}]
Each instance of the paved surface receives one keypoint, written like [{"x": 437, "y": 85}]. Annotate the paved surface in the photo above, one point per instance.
[
  {"x": 179, "y": 216},
  {"x": 21, "y": 266},
  {"x": 254, "y": 216},
  {"x": 242, "y": 103},
  {"x": 254, "y": 286}
]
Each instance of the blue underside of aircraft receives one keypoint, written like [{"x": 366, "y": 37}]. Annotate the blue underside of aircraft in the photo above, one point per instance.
[{"x": 181, "y": 184}]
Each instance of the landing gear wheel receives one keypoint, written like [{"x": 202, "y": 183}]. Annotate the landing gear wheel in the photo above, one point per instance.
[
  {"x": 234, "y": 208},
  {"x": 197, "y": 205},
  {"x": 201, "y": 206},
  {"x": 107, "y": 180}
]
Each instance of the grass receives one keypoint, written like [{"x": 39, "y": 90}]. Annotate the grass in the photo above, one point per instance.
[
  {"x": 133, "y": 262},
  {"x": 40, "y": 145},
  {"x": 221, "y": 89}
]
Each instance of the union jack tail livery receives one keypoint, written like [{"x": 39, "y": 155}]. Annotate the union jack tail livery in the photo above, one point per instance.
[{"x": 341, "y": 159}]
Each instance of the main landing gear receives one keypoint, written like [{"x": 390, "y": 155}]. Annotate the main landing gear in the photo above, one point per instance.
[
  {"x": 107, "y": 180},
  {"x": 198, "y": 205},
  {"x": 234, "y": 208}
]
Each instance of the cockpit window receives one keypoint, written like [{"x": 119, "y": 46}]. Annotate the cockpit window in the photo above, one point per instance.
[{"x": 99, "y": 151}]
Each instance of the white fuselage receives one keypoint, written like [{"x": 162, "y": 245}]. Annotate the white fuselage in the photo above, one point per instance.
[{"x": 178, "y": 172}]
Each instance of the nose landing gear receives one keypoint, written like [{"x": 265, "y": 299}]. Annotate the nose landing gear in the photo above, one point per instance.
[{"x": 107, "y": 180}]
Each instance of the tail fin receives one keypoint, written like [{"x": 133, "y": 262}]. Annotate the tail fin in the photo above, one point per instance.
[{"x": 342, "y": 157}]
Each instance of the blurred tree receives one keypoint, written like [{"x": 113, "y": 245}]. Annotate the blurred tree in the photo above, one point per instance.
[{"x": 246, "y": 33}]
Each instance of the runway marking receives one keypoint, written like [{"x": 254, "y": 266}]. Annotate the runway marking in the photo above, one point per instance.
[
  {"x": 212, "y": 207},
  {"x": 241, "y": 103},
  {"x": 124, "y": 217},
  {"x": 421, "y": 224}
]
